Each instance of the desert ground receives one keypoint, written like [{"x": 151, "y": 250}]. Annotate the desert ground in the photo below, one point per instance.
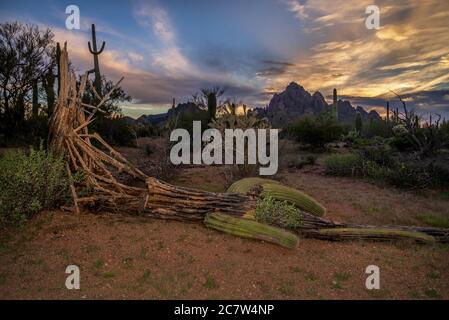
[{"x": 134, "y": 257}]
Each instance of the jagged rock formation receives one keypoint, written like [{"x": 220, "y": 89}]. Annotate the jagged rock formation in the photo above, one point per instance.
[{"x": 295, "y": 101}]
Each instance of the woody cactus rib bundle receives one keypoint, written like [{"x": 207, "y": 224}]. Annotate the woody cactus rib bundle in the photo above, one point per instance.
[{"x": 229, "y": 212}]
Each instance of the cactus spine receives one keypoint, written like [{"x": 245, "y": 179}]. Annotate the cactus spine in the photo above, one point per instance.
[
  {"x": 358, "y": 123},
  {"x": 334, "y": 105},
  {"x": 93, "y": 50}
]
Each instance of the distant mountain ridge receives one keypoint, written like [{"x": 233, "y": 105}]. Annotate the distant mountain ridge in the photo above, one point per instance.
[
  {"x": 283, "y": 108},
  {"x": 295, "y": 102}
]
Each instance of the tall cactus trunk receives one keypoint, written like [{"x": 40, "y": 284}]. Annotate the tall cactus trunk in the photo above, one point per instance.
[
  {"x": 335, "y": 105},
  {"x": 388, "y": 112},
  {"x": 93, "y": 50},
  {"x": 212, "y": 105},
  {"x": 58, "y": 65}
]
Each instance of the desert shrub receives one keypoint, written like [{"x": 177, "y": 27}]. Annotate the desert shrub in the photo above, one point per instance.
[
  {"x": 281, "y": 213},
  {"x": 409, "y": 175},
  {"x": 30, "y": 183},
  {"x": 342, "y": 164},
  {"x": 315, "y": 132},
  {"x": 302, "y": 161},
  {"x": 400, "y": 170}
]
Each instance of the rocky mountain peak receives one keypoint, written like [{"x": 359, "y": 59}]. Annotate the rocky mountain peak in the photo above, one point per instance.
[{"x": 295, "y": 101}]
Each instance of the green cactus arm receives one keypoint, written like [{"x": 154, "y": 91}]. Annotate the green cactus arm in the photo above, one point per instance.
[
  {"x": 376, "y": 234},
  {"x": 251, "y": 229},
  {"x": 245, "y": 185},
  {"x": 295, "y": 197}
]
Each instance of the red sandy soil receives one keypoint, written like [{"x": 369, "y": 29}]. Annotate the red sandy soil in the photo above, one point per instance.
[{"x": 123, "y": 257}]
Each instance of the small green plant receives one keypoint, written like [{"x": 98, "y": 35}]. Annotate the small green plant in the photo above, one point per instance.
[
  {"x": 281, "y": 213},
  {"x": 432, "y": 293},
  {"x": 31, "y": 182},
  {"x": 210, "y": 283}
]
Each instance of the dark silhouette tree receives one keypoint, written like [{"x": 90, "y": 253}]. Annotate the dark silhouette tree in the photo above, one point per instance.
[{"x": 24, "y": 59}]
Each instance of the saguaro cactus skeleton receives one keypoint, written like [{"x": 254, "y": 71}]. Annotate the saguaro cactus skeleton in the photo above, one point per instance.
[{"x": 69, "y": 135}]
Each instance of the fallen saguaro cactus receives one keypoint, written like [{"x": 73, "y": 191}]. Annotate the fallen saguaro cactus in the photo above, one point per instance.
[{"x": 248, "y": 228}]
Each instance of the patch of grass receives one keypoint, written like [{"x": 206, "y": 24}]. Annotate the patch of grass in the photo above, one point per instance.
[
  {"x": 435, "y": 220},
  {"x": 98, "y": 264},
  {"x": 433, "y": 275},
  {"x": 210, "y": 283},
  {"x": 286, "y": 288},
  {"x": 432, "y": 293},
  {"x": 310, "y": 276},
  {"x": 342, "y": 276},
  {"x": 145, "y": 277},
  {"x": 337, "y": 285}
]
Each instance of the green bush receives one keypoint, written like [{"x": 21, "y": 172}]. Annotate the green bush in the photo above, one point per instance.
[
  {"x": 280, "y": 213},
  {"x": 30, "y": 183},
  {"x": 342, "y": 164},
  {"x": 403, "y": 171},
  {"x": 315, "y": 132}
]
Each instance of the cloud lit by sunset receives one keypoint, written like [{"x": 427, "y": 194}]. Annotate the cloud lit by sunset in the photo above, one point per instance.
[{"x": 169, "y": 49}]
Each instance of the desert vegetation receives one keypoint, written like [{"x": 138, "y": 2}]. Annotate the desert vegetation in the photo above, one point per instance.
[{"x": 89, "y": 158}]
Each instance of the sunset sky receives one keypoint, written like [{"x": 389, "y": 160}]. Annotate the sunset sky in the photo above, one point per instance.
[{"x": 169, "y": 49}]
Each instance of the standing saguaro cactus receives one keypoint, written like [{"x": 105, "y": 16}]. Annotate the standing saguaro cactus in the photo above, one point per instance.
[
  {"x": 358, "y": 122},
  {"x": 334, "y": 105},
  {"x": 58, "y": 65},
  {"x": 212, "y": 105},
  {"x": 93, "y": 50},
  {"x": 388, "y": 112}
]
